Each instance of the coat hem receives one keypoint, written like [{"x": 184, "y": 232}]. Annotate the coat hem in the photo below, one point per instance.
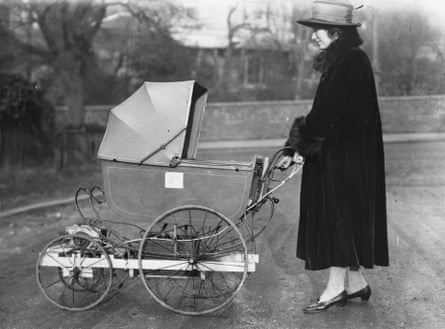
[{"x": 353, "y": 267}]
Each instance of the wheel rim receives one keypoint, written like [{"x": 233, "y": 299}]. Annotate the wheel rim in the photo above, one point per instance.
[
  {"x": 74, "y": 272},
  {"x": 196, "y": 238}
]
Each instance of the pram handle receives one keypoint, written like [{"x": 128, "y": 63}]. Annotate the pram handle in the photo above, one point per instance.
[{"x": 296, "y": 165}]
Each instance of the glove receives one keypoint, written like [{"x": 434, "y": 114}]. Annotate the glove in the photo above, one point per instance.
[
  {"x": 284, "y": 162},
  {"x": 288, "y": 160}
]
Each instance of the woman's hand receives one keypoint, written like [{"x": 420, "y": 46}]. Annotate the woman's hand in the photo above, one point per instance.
[
  {"x": 284, "y": 162},
  {"x": 287, "y": 160},
  {"x": 297, "y": 158}
]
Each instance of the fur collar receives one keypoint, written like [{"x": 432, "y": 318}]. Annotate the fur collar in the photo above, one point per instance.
[{"x": 326, "y": 58}]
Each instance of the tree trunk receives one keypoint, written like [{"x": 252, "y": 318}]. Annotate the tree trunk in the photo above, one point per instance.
[
  {"x": 74, "y": 100},
  {"x": 300, "y": 51},
  {"x": 74, "y": 148},
  {"x": 226, "y": 70}
]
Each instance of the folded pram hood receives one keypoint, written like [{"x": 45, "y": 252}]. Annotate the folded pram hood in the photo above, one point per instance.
[{"x": 160, "y": 121}]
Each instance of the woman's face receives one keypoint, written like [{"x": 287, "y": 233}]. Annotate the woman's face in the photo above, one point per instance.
[{"x": 322, "y": 38}]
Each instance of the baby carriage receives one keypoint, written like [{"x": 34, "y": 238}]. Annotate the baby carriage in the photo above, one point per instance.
[{"x": 192, "y": 249}]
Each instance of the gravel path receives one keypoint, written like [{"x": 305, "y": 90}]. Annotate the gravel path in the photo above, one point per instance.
[{"x": 408, "y": 294}]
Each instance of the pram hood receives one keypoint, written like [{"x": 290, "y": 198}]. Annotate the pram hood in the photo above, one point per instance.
[{"x": 159, "y": 122}]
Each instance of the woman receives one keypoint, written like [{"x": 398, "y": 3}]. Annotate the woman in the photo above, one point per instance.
[{"x": 342, "y": 206}]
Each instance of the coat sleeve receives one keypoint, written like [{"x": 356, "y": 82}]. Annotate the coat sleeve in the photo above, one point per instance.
[
  {"x": 302, "y": 142},
  {"x": 339, "y": 87}
]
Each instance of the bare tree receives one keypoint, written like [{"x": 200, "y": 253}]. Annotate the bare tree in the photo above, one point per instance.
[
  {"x": 301, "y": 37},
  {"x": 300, "y": 53},
  {"x": 156, "y": 54},
  {"x": 274, "y": 35},
  {"x": 68, "y": 29},
  {"x": 408, "y": 52},
  {"x": 233, "y": 28}
]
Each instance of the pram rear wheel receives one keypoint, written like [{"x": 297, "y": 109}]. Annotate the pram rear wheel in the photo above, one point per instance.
[
  {"x": 193, "y": 260},
  {"x": 74, "y": 272}
]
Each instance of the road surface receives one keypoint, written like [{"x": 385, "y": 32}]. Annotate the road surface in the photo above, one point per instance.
[{"x": 408, "y": 294}]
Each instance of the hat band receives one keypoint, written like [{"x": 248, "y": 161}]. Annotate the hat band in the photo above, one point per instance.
[{"x": 332, "y": 12}]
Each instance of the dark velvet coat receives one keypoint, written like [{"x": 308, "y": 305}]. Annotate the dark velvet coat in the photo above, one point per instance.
[{"x": 343, "y": 202}]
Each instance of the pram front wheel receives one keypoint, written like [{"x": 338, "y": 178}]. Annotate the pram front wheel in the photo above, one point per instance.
[
  {"x": 193, "y": 260},
  {"x": 74, "y": 272}
]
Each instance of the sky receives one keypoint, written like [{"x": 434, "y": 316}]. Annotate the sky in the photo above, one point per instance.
[
  {"x": 215, "y": 10},
  {"x": 434, "y": 8},
  {"x": 213, "y": 13}
]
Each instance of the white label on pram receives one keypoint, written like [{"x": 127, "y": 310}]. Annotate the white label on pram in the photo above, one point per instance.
[{"x": 174, "y": 180}]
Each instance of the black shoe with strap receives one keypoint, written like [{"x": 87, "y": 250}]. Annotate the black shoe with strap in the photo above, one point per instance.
[
  {"x": 364, "y": 293},
  {"x": 340, "y": 300}
]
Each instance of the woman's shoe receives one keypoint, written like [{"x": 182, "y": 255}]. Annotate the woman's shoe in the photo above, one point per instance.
[
  {"x": 340, "y": 299},
  {"x": 364, "y": 293}
]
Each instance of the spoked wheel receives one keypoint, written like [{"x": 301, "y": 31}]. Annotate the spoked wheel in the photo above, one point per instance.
[
  {"x": 193, "y": 260},
  {"x": 74, "y": 272}
]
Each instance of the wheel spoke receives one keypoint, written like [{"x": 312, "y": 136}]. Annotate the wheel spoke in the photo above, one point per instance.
[
  {"x": 92, "y": 264},
  {"x": 83, "y": 289},
  {"x": 199, "y": 240},
  {"x": 215, "y": 287},
  {"x": 215, "y": 237},
  {"x": 102, "y": 282},
  {"x": 84, "y": 256},
  {"x": 52, "y": 284},
  {"x": 217, "y": 263},
  {"x": 173, "y": 265},
  {"x": 200, "y": 286},
  {"x": 73, "y": 295},
  {"x": 161, "y": 245},
  {"x": 224, "y": 234},
  {"x": 169, "y": 278},
  {"x": 204, "y": 220},
  {"x": 224, "y": 279},
  {"x": 69, "y": 259},
  {"x": 223, "y": 243},
  {"x": 50, "y": 256},
  {"x": 184, "y": 294},
  {"x": 168, "y": 293}
]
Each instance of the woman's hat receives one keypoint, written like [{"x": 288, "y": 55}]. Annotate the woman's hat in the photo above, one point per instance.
[{"x": 330, "y": 13}]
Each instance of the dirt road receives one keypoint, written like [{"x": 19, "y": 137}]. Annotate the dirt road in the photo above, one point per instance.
[{"x": 408, "y": 294}]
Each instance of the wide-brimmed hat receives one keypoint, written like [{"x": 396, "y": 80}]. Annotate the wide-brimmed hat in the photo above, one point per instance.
[{"x": 330, "y": 13}]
